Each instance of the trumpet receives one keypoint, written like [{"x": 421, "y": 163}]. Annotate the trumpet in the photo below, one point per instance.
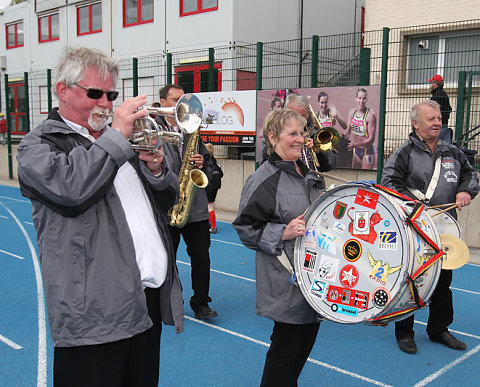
[
  {"x": 188, "y": 114},
  {"x": 326, "y": 139}
]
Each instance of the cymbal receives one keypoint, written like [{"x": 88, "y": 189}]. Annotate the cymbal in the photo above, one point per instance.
[{"x": 456, "y": 252}]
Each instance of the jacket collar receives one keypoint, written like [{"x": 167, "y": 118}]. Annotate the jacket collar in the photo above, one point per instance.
[{"x": 288, "y": 166}]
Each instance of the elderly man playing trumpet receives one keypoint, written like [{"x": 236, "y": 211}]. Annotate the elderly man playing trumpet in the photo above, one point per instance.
[{"x": 99, "y": 208}]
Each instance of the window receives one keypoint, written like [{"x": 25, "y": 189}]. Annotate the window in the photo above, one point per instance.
[
  {"x": 444, "y": 53},
  {"x": 194, "y": 78},
  {"x": 16, "y": 107},
  {"x": 137, "y": 12},
  {"x": 191, "y": 7},
  {"x": 89, "y": 19},
  {"x": 15, "y": 35},
  {"x": 48, "y": 28}
]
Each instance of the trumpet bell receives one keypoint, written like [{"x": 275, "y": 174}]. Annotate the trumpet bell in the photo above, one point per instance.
[
  {"x": 188, "y": 114},
  {"x": 326, "y": 139}
]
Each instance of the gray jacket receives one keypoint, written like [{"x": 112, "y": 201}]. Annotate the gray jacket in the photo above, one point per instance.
[
  {"x": 273, "y": 196},
  {"x": 199, "y": 208},
  {"x": 412, "y": 165},
  {"x": 91, "y": 278}
]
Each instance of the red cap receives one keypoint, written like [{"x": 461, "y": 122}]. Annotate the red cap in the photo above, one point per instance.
[{"x": 436, "y": 78}]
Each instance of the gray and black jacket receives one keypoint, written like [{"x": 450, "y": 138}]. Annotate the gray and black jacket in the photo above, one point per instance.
[
  {"x": 412, "y": 165},
  {"x": 90, "y": 275},
  {"x": 272, "y": 196}
]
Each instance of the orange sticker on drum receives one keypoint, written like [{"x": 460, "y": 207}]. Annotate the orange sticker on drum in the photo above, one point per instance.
[{"x": 352, "y": 250}]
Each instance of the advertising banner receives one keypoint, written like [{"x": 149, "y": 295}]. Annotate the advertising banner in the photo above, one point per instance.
[{"x": 232, "y": 115}]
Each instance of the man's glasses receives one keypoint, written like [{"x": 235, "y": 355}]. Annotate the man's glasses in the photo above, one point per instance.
[{"x": 97, "y": 93}]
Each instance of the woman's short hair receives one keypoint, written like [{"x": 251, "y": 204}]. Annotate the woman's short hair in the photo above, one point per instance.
[
  {"x": 74, "y": 61},
  {"x": 275, "y": 122}
]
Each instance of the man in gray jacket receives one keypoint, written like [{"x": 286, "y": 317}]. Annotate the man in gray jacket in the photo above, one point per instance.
[
  {"x": 410, "y": 170},
  {"x": 99, "y": 209}
]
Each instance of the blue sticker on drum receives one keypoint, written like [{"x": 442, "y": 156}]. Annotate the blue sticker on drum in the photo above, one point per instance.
[
  {"x": 339, "y": 227},
  {"x": 310, "y": 237},
  {"x": 387, "y": 240},
  {"x": 318, "y": 288},
  {"x": 326, "y": 241},
  {"x": 344, "y": 310},
  {"x": 381, "y": 270}
]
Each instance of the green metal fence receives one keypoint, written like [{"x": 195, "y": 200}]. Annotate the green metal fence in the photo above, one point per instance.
[{"x": 400, "y": 60}]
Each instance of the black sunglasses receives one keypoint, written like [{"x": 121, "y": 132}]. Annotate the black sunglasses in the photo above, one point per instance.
[{"x": 97, "y": 93}]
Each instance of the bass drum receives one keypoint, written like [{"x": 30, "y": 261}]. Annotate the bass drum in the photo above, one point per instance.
[{"x": 353, "y": 262}]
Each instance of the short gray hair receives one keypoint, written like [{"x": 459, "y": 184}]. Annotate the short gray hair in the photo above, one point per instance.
[
  {"x": 415, "y": 108},
  {"x": 297, "y": 100},
  {"x": 275, "y": 122},
  {"x": 74, "y": 61}
]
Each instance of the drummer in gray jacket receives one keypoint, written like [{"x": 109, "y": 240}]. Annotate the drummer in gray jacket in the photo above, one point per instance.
[
  {"x": 434, "y": 172},
  {"x": 269, "y": 219},
  {"x": 99, "y": 208}
]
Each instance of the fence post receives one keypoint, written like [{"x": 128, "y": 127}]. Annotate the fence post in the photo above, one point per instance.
[
  {"x": 9, "y": 129},
  {"x": 259, "y": 65},
  {"x": 211, "y": 69},
  {"x": 364, "y": 78},
  {"x": 168, "y": 81},
  {"x": 314, "y": 80},
  {"x": 27, "y": 102},
  {"x": 462, "y": 80},
  {"x": 135, "y": 77},
  {"x": 383, "y": 102},
  {"x": 49, "y": 90}
]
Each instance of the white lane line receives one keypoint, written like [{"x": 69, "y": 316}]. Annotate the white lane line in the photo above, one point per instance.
[
  {"x": 12, "y": 255},
  {"x": 10, "y": 343},
  {"x": 466, "y": 291},
  {"x": 221, "y": 272},
  {"x": 229, "y": 243},
  {"x": 454, "y": 331},
  {"x": 42, "y": 329},
  {"x": 449, "y": 366},
  {"x": 15, "y": 200},
  {"x": 3, "y": 216},
  {"x": 29, "y": 223},
  {"x": 314, "y": 361}
]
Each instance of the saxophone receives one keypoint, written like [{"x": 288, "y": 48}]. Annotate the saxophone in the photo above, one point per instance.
[{"x": 190, "y": 179}]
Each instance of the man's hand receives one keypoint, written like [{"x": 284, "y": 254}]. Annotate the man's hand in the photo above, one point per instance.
[
  {"x": 127, "y": 113},
  {"x": 197, "y": 159},
  {"x": 153, "y": 159},
  {"x": 463, "y": 199}
]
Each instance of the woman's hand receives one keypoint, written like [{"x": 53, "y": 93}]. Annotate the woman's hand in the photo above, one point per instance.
[{"x": 294, "y": 229}]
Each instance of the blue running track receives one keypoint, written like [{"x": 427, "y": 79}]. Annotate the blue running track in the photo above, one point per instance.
[{"x": 229, "y": 350}]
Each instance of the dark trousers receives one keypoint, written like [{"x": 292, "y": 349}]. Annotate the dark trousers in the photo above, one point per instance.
[
  {"x": 197, "y": 238},
  {"x": 291, "y": 345},
  {"x": 130, "y": 362},
  {"x": 440, "y": 310}
]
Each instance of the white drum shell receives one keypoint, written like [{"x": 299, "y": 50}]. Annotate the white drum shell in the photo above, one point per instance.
[{"x": 357, "y": 252}]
